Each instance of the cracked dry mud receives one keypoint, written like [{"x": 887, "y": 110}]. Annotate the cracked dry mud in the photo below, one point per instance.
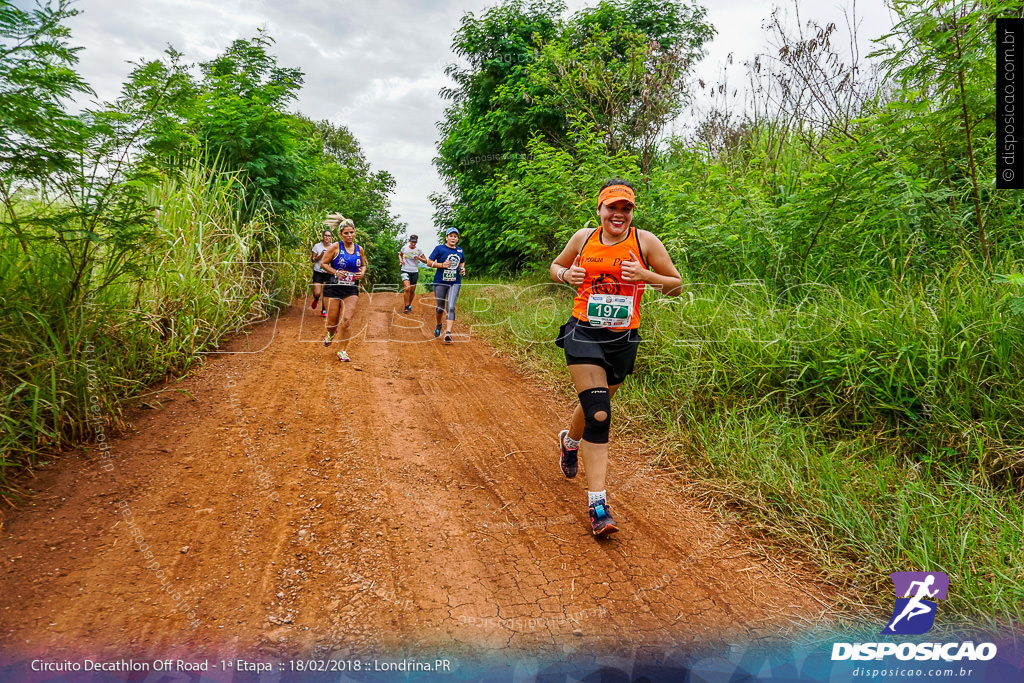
[{"x": 408, "y": 502}]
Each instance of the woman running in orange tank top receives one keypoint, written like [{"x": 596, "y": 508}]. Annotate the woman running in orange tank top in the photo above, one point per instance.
[{"x": 610, "y": 267}]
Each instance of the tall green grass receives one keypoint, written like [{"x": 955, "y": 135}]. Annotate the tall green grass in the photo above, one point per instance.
[
  {"x": 204, "y": 275},
  {"x": 880, "y": 433}
]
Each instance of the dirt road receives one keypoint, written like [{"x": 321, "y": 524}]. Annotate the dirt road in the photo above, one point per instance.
[{"x": 279, "y": 501}]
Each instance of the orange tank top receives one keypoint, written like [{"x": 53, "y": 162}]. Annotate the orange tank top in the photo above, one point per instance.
[{"x": 603, "y": 264}]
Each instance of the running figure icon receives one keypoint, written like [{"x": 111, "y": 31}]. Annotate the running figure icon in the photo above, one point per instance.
[
  {"x": 915, "y": 607},
  {"x": 917, "y": 594}
]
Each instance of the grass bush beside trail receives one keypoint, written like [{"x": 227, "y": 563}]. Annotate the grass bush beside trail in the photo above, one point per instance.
[
  {"x": 881, "y": 433},
  {"x": 859, "y": 507},
  {"x": 203, "y": 275},
  {"x": 934, "y": 364}
]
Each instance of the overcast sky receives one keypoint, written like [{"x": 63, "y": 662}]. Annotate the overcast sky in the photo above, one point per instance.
[{"x": 376, "y": 67}]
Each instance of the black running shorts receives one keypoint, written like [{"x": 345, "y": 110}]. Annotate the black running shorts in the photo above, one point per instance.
[
  {"x": 321, "y": 277},
  {"x": 340, "y": 291},
  {"x": 613, "y": 350}
]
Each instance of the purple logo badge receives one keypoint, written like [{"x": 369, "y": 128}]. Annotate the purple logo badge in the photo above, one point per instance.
[{"x": 916, "y": 601}]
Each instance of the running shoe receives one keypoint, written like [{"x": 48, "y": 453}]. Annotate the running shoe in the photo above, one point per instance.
[
  {"x": 408, "y": 309},
  {"x": 343, "y": 356},
  {"x": 437, "y": 331},
  {"x": 569, "y": 461},
  {"x": 323, "y": 314},
  {"x": 316, "y": 300},
  {"x": 601, "y": 519},
  {"x": 447, "y": 337},
  {"x": 328, "y": 338}
]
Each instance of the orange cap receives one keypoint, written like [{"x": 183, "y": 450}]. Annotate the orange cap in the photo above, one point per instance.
[{"x": 614, "y": 193}]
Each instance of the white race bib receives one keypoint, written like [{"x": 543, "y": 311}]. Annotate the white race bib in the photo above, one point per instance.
[{"x": 609, "y": 310}]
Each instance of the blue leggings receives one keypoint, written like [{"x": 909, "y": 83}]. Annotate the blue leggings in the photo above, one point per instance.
[{"x": 450, "y": 292}]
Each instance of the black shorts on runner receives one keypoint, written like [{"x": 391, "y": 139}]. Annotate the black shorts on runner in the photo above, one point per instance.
[
  {"x": 613, "y": 350},
  {"x": 321, "y": 277},
  {"x": 413, "y": 278},
  {"x": 340, "y": 291}
]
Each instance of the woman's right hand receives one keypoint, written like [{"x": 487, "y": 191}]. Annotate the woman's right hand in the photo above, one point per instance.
[{"x": 576, "y": 274}]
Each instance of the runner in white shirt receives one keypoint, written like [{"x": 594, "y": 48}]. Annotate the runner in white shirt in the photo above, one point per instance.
[
  {"x": 320, "y": 276},
  {"x": 407, "y": 258}
]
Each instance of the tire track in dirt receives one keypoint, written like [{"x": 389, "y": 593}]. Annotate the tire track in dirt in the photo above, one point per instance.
[{"x": 404, "y": 503}]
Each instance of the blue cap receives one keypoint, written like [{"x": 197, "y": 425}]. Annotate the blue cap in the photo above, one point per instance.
[{"x": 450, "y": 231}]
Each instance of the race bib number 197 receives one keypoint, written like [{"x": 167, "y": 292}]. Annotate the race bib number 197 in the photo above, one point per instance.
[{"x": 609, "y": 310}]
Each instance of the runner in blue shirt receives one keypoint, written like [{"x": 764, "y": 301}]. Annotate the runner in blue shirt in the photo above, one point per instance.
[
  {"x": 346, "y": 263},
  {"x": 451, "y": 266}
]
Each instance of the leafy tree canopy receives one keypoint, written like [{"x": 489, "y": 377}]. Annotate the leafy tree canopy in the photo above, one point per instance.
[{"x": 616, "y": 71}]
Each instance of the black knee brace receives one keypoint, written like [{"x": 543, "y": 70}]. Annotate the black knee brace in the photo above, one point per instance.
[{"x": 594, "y": 401}]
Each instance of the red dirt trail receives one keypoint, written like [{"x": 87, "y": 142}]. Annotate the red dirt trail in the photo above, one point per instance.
[{"x": 409, "y": 501}]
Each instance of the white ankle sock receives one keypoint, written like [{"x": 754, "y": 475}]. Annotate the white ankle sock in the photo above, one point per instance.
[
  {"x": 594, "y": 497},
  {"x": 571, "y": 443}
]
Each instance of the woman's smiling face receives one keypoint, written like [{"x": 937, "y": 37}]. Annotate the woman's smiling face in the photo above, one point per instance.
[{"x": 616, "y": 216}]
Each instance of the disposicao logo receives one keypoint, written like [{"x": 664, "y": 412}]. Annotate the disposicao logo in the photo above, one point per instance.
[{"x": 914, "y": 613}]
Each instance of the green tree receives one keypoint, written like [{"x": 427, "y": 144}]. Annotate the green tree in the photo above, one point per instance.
[
  {"x": 66, "y": 180},
  {"x": 241, "y": 121},
  {"x": 343, "y": 180},
  {"x": 488, "y": 124},
  {"x": 623, "y": 66},
  {"x": 235, "y": 114},
  {"x": 161, "y": 97},
  {"x": 37, "y": 73},
  {"x": 550, "y": 193},
  {"x": 942, "y": 55}
]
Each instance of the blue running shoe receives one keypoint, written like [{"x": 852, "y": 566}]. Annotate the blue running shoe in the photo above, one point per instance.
[
  {"x": 601, "y": 519},
  {"x": 437, "y": 331},
  {"x": 569, "y": 460}
]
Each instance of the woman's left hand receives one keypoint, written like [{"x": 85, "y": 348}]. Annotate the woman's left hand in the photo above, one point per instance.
[{"x": 633, "y": 270}]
